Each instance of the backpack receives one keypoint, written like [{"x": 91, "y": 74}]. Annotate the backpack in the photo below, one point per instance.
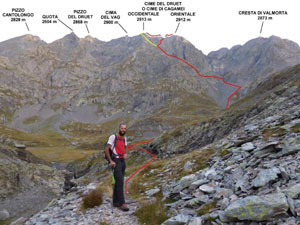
[{"x": 110, "y": 149}]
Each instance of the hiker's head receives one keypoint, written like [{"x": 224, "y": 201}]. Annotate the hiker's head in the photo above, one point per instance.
[{"x": 122, "y": 129}]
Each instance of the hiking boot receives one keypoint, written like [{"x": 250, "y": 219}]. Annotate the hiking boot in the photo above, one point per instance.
[{"x": 123, "y": 207}]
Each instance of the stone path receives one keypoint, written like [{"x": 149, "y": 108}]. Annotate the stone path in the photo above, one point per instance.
[{"x": 67, "y": 211}]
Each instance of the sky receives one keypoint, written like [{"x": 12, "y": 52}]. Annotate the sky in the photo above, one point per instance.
[{"x": 217, "y": 23}]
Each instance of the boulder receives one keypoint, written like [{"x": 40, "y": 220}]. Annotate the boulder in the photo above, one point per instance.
[
  {"x": 183, "y": 183},
  {"x": 152, "y": 191},
  {"x": 291, "y": 146},
  {"x": 197, "y": 183},
  {"x": 257, "y": 208},
  {"x": 293, "y": 191},
  {"x": 196, "y": 202},
  {"x": 247, "y": 146},
  {"x": 265, "y": 176},
  {"x": 196, "y": 221},
  {"x": 250, "y": 127},
  {"x": 4, "y": 214},
  {"x": 208, "y": 188}
]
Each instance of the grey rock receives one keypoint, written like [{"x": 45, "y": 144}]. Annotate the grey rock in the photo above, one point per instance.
[
  {"x": 4, "y": 214},
  {"x": 188, "y": 166},
  {"x": 258, "y": 208},
  {"x": 198, "y": 193},
  {"x": 183, "y": 183},
  {"x": 247, "y": 146},
  {"x": 224, "y": 203},
  {"x": 233, "y": 198},
  {"x": 223, "y": 192},
  {"x": 185, "y": 196},
  {"x": 293, "y": 191},
  {"x": 44, "y": 217},
  {"x": 208, "y": 188},
  {"x": 187, "y": 211},
  {"x": 152, "y": 192},
  {"x": 290, "y": 147},
  {"x": 197, "y": 183},
  {"x": 175, "y": 204},
  {"x": 214, "y": 214},
  {"x": 179, "y": 219},
  {"x": 19, "y": 221},
  {"x": 41, "y": 223},
  {"x": 196, "y": 221},
  {"x": 291, "y": 205},
  {"x": 196, "y": 202},
  {"x": 210, "y": 172},
  {"x": 284, "y": 173},
  {"x": 222, "y": 216},
  {"x": 228, "y": 168},
  {"x": 250, "y": 127},
  {"x": 265, "y": 176}
]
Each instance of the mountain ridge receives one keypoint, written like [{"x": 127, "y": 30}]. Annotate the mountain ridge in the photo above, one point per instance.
[{"x": 126, "y": 79}]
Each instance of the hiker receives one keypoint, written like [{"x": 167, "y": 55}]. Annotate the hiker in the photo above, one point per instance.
[{"x": 119, "y": 152}]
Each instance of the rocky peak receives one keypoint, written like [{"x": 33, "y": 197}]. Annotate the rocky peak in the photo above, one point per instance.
[
  {"x": 67, "y": 43},
  {"x": 30, "y": 37},
  {"x": 15, "y": 46},
  {"x": 248, "y": 64},
  {"x": 89, "y": 38}
]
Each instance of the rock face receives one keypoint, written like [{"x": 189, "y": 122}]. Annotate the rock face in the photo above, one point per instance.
[
  {"x": 263, "y": 57},
  {"x": 268, "y": 97},
  {"x": 91, "y": 81},
  {"x": 253, "y": 176},
  {"x": 254, "y": 173},
  {"x": 24, "y": 185}
]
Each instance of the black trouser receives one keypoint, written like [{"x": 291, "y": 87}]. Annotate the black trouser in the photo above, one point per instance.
[{"x": 119, "y": 171}]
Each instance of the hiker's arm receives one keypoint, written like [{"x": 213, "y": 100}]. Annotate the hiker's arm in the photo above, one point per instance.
[{"x": 106, "y": 150}]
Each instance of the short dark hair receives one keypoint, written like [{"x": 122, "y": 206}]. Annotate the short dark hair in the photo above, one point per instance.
[{"x": 121, "y": 124}]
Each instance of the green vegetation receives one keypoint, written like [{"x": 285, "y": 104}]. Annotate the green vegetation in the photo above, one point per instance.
[
  {"x": 200, "y": 158},
  {"x": 148, "y": 175},
  {"x": 56, "y": 106},
  {"x": 103, "y": 223},
  {"x": 76, "y": 128},
  {"x": 12, "y": 94},
  {"x": 137, "y": 183},
  {"x": 31, "y": 120},
  {"x": 223, "y": 152},
  {"x": 8, "y": 115},
  {"x": 152, "y": 213},
  {"x": 95, "y": 198},
  {"x": 6, "y": 222},
  {"x": 174, "y": 133},
  {"x": 296, "y": 128},
  {"x": 275, "y": 131},
  {"x": 60, "y": 153},
  {"x": 92, "y": 136},
  {"x": 31, "y": 139},
  {"x": 206, "y": 208}
]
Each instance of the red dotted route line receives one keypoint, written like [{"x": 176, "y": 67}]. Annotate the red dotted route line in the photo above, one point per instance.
[
  {"x": 139, "y": 149},
  {"x": 201, "y": 75}
]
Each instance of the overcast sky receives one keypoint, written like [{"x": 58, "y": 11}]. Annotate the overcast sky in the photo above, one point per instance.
[{"x": 217, "y": 23}]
